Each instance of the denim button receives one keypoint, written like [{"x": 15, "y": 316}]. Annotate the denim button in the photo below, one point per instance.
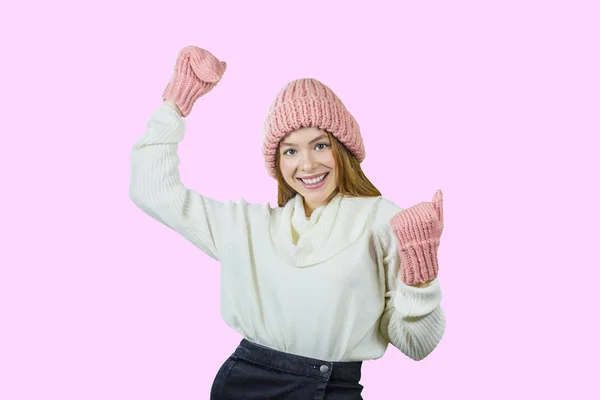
[{"x": 324, "y": 368}]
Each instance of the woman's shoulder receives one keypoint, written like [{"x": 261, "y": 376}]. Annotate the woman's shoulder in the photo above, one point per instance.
[
  {"x": 383, "y": 212},
  {"x": 386, "y": 209},
  {"x": 379, "y": 209},
  {"x": 247, "y": 209}
]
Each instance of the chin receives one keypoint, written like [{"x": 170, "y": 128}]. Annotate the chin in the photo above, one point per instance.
[{"x": 321, "y": 197}]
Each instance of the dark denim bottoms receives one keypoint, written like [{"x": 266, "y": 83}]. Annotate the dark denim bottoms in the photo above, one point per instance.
[{"x": 256, "y": 372}]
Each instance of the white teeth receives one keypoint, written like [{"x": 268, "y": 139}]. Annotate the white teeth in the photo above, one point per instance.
[{"x": 313, "y": 181}]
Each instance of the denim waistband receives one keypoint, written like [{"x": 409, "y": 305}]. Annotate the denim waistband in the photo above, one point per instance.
[{"x": 275, "y": 359}]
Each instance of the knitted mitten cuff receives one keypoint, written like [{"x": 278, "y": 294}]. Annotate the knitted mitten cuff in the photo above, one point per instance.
[
  {"x": 196, "y": 73},
  {"x": 418, "y": 230}
]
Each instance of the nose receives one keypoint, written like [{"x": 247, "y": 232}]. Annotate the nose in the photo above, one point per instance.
[{"x": 308, "y": 162}]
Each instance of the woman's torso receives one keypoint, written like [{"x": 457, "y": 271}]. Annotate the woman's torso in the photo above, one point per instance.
[{"x": 320, "y": 297}]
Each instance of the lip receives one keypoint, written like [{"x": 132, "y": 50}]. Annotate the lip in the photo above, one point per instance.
[
  {"x": 316, "y": 185},
  {"x": 312, "y": 176}
]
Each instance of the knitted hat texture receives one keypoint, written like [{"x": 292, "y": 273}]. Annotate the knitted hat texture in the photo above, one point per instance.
[{"x": 308, "y": 103}]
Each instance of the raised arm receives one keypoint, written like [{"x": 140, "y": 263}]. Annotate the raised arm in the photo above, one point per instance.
[
  {"x": 155, "y": 185},
  {"x": 413, "y": 319}
]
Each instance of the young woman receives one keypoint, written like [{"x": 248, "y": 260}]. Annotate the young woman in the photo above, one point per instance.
[{"x": 318, "y": 284}]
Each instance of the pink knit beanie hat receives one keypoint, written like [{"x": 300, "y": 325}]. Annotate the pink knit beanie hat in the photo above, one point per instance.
[{"x": 309, "y": 103}]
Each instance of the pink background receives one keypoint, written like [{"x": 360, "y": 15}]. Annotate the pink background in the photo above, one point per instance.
[{"x": 495, "y": 103}]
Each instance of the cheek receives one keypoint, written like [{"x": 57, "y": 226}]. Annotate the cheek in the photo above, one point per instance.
[
  {"x": 328, "y": 160},
  {"x": 287, "y": 168}
]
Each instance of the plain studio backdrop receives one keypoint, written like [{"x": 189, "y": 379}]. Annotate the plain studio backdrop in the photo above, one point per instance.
[{"x": 495, "y": 103}]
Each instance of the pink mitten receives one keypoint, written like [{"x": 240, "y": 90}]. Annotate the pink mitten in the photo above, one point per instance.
[
  {"x": 418, "y": 230},
  {"x": 196, "y": 72}
]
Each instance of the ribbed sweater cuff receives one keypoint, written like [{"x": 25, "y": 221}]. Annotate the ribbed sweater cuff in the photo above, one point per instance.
[{"x": 165, "y": 127}]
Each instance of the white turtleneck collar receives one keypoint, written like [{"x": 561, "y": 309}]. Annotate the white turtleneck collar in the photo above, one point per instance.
[
  {"x": 301, "y": 223},
  {"x": 329, "y": 230}
]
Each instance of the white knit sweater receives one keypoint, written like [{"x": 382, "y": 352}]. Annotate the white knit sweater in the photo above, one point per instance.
[{"x": 327, "y": 287}]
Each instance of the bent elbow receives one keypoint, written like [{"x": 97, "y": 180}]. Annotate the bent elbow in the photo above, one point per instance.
[
  {"x": 430, "y": 337},
  {"x": 137, "y": 198}
]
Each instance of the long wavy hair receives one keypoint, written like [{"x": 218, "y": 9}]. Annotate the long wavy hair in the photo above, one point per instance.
[{"x": 351, "y": 180}]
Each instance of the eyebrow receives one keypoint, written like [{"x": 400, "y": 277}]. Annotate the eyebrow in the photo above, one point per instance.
[{"x": 323, "y": 136}]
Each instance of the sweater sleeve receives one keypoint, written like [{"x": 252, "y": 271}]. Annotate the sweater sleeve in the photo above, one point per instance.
[
  {"x": 155, "y": 186},
  {"x": 413, "y": 320}
]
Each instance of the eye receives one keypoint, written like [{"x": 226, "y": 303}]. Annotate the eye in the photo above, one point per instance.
[
  {"x": 321, "y": 146},
  {"x": 287, "y": 152}
]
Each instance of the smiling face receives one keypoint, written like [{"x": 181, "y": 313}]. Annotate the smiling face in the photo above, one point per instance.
[{"x": 308, "y": 165}]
